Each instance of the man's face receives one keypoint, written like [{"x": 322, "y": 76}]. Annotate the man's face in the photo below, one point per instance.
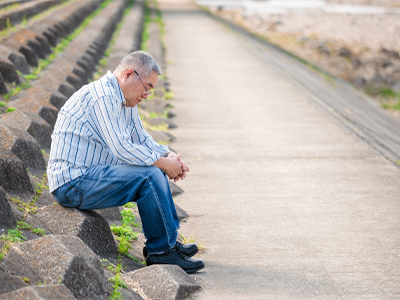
[{"x": 133, "y": 89}]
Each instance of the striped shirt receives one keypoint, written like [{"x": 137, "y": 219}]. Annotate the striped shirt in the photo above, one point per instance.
[{"x": 94, "y": 127}]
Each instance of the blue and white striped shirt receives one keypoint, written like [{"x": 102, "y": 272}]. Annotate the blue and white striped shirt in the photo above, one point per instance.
[{"x": 95, "y": 128}]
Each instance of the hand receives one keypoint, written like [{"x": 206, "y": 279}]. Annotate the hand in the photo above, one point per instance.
[
  {"x": 170, "y": 165},
  {"x": 185, "y": 169}
]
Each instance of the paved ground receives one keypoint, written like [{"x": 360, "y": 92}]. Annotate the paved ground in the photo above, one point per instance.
[{"x": 290, "y": 203}]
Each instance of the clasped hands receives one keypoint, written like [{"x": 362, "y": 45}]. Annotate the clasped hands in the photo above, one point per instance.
[{"x": 173, "y": 166}]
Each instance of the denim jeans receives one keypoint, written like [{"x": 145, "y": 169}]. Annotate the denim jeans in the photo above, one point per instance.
[{"x": 107, "y": 186}]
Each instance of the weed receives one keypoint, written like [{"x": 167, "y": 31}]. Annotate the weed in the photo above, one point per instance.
[
  {"x": 191, "y": 239},
  {"x": 397, "y": 162},
  {"x": 130, "y": 205},
  {"x": 10, "y": 109},
  {"x": 118, "y": 283},
  {"x": 146, "y": 22},
  {"x": 169, "y": 95},
  {"x": 26, "y": 279},
  {"x": 23, "y": 225},
  {"x": 2, "y": 104},
  {"x": 143, "y": 263},
  {"x": 128, "y": 219},
  {"x": 153, "y": 115}
]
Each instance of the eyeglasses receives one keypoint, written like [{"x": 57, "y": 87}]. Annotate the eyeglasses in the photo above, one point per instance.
[{"x": 147, "y": 93}]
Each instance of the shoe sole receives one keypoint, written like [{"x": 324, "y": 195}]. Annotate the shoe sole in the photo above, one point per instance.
[
  {"x": 191, "y": 255},
  {"x": 188, "y": 271},
  {"x": 194, "y": 270}
]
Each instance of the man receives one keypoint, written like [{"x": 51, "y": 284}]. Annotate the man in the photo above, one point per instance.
[{"x": 102, "y": 157}]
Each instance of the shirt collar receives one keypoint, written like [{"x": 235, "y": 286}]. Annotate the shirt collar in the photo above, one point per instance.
[{"x": 114, "y": 82}]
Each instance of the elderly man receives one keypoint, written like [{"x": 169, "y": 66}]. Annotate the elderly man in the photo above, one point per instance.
[{"x": 102, "y": 157}]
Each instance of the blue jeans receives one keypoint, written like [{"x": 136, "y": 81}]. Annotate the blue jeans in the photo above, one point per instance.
[{"x": 107, "y": 186}]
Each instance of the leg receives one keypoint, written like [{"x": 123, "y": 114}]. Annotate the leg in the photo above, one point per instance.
[{"x": 108, "y": 186}]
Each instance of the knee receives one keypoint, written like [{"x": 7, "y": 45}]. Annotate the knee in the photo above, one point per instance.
[{"x": 156, "y": 176}]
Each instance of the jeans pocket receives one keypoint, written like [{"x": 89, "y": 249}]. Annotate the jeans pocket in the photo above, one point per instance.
[
  {"x": 73, "y": 197},
  {"x": 69, "y": 195}
]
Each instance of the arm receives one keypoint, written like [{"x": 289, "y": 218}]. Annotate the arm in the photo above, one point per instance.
[{"x": 107, "y": 117}]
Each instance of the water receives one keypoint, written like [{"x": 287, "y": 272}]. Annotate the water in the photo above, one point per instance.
[{"x": 296, "y": 6}]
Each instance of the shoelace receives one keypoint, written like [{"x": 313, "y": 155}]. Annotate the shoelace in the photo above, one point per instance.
[{"x": 181, "y": 254}]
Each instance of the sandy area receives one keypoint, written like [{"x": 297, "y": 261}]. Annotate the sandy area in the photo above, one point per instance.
[{"x": 362, "y": 49}]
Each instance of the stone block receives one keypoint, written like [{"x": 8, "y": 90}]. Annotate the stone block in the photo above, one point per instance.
[
  {"x": 44, "y": 292},
  {"x": 59, "y": 259},
  {"x": 9, "y": 283},
  {"x": 38, "y": 106},
  {"x": 13, "y": 175},
  {"x": 181, "y": 213},
  {"x": 7, "y": 219},
  {"x": 175, "y": 189},
  {"x": 110, "y": 214},
  {"x": 3, "y": 88},
  {"x": 89, "y": 226},
  {"x": 167, "y": 282},
  {"x": 24, "y": 146},
  {"x": 55, "y": 98},
  {"x": 27, "y": 51},
  {"x": 155, "y": 106},
  {"x": 16, "y": 58},
  {"x": 52, "y": 84},
  {"x": 161, "y": 121},
  {"x": 161, "y": 136},
  {"x": 38, "y": 128},
  {"x": 8, "y": 70}
]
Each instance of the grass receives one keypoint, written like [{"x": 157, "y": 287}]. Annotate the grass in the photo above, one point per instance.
[
  {"x": 146, "y": 22},
  {"x": 43, "y": 63},
  {"x": 154, "y": 115},
  {"x": 118, "y": 283},
  {"x": 169, "y": 95},
  {"x": 24, "y": 23},
  {"x": 12, "y": 236},
  {"x": 10, "y": 109},
  {"x": 9, "y": 7},
  {"x": 16, "y": 235},
  {"x": 124, "y": 233},
  {"x": 2, "y": 104},
  {"x": 191, "y": 239},
  {"x": 390, "y": 98}
]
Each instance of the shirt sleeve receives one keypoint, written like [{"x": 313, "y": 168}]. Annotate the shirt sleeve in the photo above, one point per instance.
[{"x": 109, "y": 120}]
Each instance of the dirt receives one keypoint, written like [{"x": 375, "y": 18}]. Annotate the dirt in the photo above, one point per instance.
[{"x": 362, "y": 49}]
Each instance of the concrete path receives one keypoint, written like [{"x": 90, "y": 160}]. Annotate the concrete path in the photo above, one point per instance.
[{"x": 291, "y": 205}]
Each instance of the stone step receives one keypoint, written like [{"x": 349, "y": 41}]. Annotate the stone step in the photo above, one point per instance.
[
  {"x": 25, "y": 11},
  {"x": 48, "y": 31},
  {"x": 13, "y": 175},
  {"x": 167, "y": 282},
  {"x": 23, "y": 145},
  {"x": 129, "y": 37},
  {"x": 37, "y": 106},
  {"x": 82, "y": 54},
  {"x": 44, "y": 292},
  {"x": 56, "y": 259},
  {"x": 7, "y": 219},
  {"x": 89, "y": 226},
  {"x": 31, "y": 123},
  {"x": 9, "y": 283}
]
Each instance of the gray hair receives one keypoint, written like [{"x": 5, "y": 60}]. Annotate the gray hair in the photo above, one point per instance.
[{"x": 140, "y": 61}]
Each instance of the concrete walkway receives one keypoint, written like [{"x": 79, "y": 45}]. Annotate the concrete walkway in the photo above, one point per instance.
[{"x": 291, "y": 205}]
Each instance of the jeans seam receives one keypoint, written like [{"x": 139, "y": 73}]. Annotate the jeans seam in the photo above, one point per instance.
[
  {"x": 80, "y": 191},
  {"x": 161, "y": 211}
]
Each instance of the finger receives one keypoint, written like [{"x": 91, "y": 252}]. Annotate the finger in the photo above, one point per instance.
[
  {"x": 183, "y": 174},
  {"x": 178, "y": 157}
]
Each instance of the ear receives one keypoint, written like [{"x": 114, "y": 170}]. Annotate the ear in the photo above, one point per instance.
[{"x": 128, "y": 73}]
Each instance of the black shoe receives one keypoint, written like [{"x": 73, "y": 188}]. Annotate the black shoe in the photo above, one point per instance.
[
  {"x": 186, "y": 249},
  {"x": 175, "y": 257}
]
